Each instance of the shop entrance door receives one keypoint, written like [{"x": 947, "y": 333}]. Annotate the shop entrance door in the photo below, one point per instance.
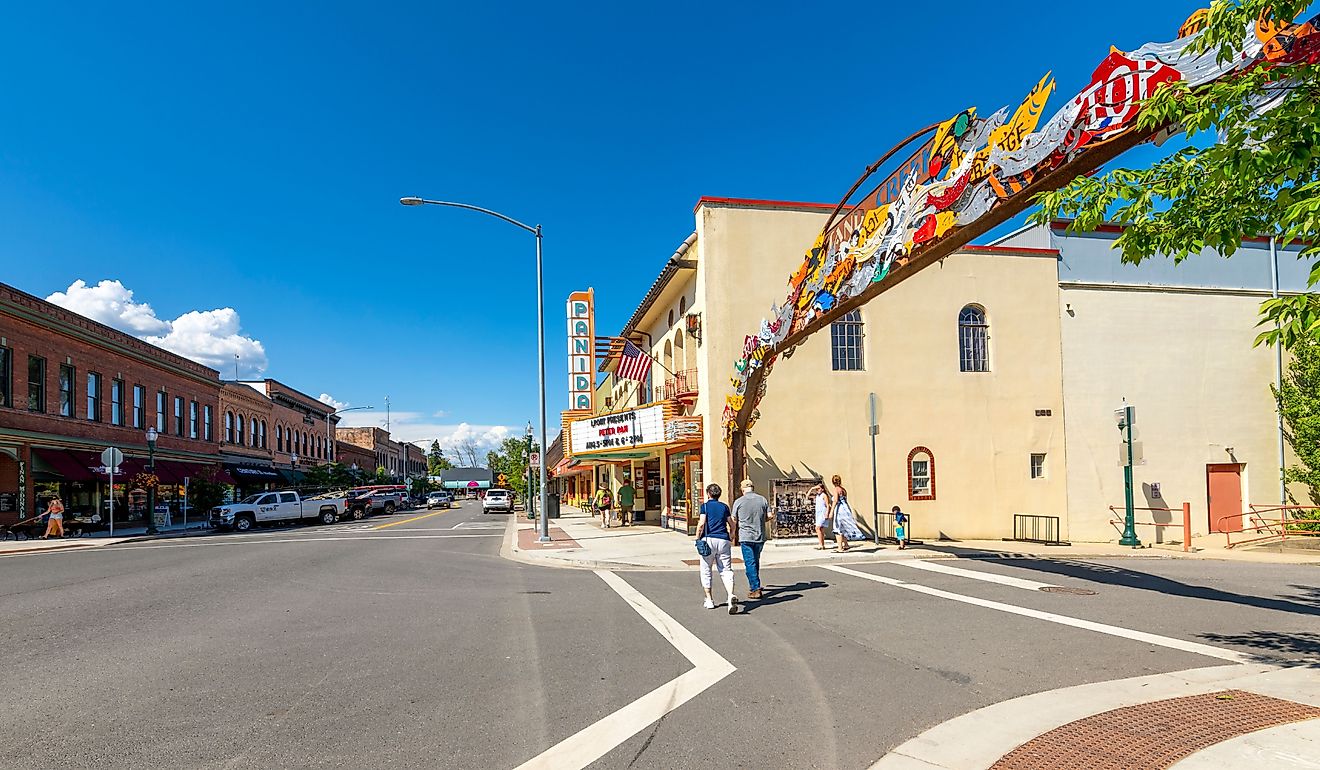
[
  {"x": 1223, "y": 484},
  {"x": 653, "y": 502}
]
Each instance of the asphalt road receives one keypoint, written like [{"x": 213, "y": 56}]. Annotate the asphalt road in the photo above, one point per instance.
[{"x": 409, "y": 642}]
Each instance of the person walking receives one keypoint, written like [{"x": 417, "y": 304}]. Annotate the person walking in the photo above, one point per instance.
[
  {"x": 626, "y": 499},
  {"x": 824, "y": 505},
  {"x": 715, "y": 541},
  {"x": 54, "y": 518},
  {"x": 845, "y": 526},
  {"x": 900, "y": 527},
  {"x": 749, "y": 515},
  {"x": 604, "y": 504}
]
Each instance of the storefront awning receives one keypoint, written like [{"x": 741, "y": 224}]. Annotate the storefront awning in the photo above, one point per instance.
[
  {"x": 292, "y": 476},
  {"x": 467, "y": 485},
  {"x": 64, "y": 464},
  {"x": 253, "y": 474}
]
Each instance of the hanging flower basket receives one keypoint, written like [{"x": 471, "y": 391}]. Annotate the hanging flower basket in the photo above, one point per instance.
[{"x": 144, "y": 481}]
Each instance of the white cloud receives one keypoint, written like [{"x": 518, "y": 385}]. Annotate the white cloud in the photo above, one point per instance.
[
  {"x": 209, "y": 337},
  {"x": 331, "y": 401},
  {"x": 416, "y": 428}
]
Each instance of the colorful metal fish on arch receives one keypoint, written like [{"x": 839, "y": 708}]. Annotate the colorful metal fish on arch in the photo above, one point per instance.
[{"x": 971, "y": 164}]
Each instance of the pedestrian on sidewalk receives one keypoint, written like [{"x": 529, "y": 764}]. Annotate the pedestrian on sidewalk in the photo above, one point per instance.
[
  {"x": 749, "y": 515},
  {"x": 900, "y": 527},
  {"x": 714, "y": 533},
  {"x": 604, "y": 504},
  {"x": 626, "y": 499},
  {"x": 54, "y": 519},
  {"x": 824, "y": 505},
  {"x": 845, "y": 526}
]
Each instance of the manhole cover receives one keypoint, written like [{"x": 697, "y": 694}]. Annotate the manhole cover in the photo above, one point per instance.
[{"x": 1067, "y": 590}]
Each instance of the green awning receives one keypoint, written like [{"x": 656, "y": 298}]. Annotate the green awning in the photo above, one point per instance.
[{"x": 467, "y": 485}]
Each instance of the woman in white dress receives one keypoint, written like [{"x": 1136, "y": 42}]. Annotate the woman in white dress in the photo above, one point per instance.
[
  {"x": 823, "y": 505},
  {"x": 845, "y": 526}
]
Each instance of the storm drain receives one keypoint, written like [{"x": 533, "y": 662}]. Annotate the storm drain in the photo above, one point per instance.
[
  {"x": 1155, "y": 735},
  {"x": 1066, "y": 590}
]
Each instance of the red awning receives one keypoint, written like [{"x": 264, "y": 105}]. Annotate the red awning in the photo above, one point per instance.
[{"x": 65, "y": 464}]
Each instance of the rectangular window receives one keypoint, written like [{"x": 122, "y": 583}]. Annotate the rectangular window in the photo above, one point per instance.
[
  {"x": 1038, "y": 466},
  {"x": 139, "y": 406},
  {"x": 208, "y": 426},
  {"x": 36, "y": 384},
  {"x": 920, "y": 478},
  {"x": 192, "y": 419},
  {"x": 67, "y": 378},
  {"x": 116, "y": 402},
  {"x": 846, "y": 343},
  {"x": 160, "y": 411},
  {"x": 6, "y": 391},
  {"x": 94, "y": 396},
  {"x": 178, "y": 416}
]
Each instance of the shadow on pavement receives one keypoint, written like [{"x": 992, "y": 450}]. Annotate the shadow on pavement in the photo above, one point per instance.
[
  {"x": 1127, "y": 578},
  {"x": 1302, "y": 643},
  {"x": 781, "y": 594}
]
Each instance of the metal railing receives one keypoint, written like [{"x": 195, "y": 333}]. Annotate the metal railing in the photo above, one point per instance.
[
  {"x": 1034, "y": 528},
  {"x": 681, "y": 386},
  {"x": 886, "y": 526},
  {"x": 1186, "y": 523},
  {"x": 1280, "y": 528}
]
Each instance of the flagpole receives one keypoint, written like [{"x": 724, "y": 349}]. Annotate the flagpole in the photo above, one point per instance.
[{"x": 649, "y": 355}]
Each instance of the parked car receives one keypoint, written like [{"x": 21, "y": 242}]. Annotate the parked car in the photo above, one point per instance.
[
  {"x": 439, "y": 500},
  {"x": 370, "y": 502},
  {"x": 498, "y": 500},
  {"x": 275, "y": 507}
]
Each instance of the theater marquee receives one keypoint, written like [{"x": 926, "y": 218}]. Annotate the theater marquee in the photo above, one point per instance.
[{"x": 618, "y": 432}]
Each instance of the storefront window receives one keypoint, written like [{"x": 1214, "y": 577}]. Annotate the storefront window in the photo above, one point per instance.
[{"x": 678, "y": 498}]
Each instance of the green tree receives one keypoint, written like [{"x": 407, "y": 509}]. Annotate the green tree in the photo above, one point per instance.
[
  {"x": 1246, "y": 171},
  {"x": 332, "y": 475},
  {"x": 383, "y": 475},
  {"x": 510, "y": 458},
  {"x": 1299, "y": 403},
  {"x": 205, "y": 492},
  {"x": 436, "y": 460}
]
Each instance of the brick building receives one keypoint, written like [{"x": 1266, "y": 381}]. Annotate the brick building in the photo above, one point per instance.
[
  {"x": 301, "y": 426},
  {"x": 399, "y": 459},
  {"x": 351, "y": 454},
  {"x": 245, "y": 420},
  {"x": 70, "y": 387}
]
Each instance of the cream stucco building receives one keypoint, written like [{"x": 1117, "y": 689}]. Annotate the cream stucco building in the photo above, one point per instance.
[{"x": 995, "y": 372}]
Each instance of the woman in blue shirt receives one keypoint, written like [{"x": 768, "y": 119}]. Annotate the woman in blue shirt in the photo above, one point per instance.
[{"x": 714, "y": 530}]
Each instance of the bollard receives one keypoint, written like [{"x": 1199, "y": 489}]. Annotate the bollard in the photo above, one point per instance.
[{"x": 1187, "y": 527}]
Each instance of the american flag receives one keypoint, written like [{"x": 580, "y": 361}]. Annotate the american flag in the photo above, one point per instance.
[{"x": 633, "y": 363}]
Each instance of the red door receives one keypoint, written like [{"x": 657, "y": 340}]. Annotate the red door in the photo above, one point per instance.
[{"x": 1223, "y": 484}]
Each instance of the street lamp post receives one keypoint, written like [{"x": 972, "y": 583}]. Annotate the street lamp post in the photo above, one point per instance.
[
  {"x": 529, "y": 462},
  {"x": 543, "y": 524},
  {"x": 151, "y": 488}
]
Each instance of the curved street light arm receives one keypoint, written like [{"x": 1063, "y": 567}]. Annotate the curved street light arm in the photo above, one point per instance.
[{"x": 470, "y": 207}]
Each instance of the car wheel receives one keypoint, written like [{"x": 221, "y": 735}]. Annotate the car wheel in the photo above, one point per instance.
[
  {"x": 328, "y": 516},
  {"x": 389, "y": 509},
  {"x": 357, "y": 514},
  {"x": 244, "y": 523}
]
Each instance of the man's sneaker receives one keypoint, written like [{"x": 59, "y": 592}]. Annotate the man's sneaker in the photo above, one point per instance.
[
  {"x": 710, "y": 605},
  {"x": 733, "y": 604},
  {"x": 754, "y": 594}
]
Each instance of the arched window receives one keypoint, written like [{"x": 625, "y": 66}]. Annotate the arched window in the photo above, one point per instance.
[
  {"x": 671, "y": 316},
  {"x": 846, "y": 343},
  {"x": 279, "y": 437},
  {"x": 682, "y": 306},
  {"x": 973, "y": 340},
  {"x": 669, "y": 355},
  {"x": 264, "y": 445},
  {"x": 921, "y": 474},
  {"x": 229, "y": 427}
]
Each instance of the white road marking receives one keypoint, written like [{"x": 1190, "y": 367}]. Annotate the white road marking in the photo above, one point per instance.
[
  {"x": 240, "y": 541},
  {"x": 1103, "y": 628},
  {"x": 597, "y": 740},
  {"x": 988, "y": 577}
]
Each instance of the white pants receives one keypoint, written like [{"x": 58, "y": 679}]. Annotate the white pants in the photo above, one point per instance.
[{"x": 721, "y": 558}]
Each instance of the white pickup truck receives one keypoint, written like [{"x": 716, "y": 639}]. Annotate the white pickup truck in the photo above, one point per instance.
[{"x": 277, "y": 507}]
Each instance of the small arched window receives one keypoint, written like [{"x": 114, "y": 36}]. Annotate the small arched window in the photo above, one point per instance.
[
  {"x": 240, "y": 435},
  {"x": 921, "y": 474},
  {"x": 973, "y": 340},
  {"x": 846, "y": 335},
  {"x": 279, "y": 438},
  {"x": 229, "y": 427},
  {"x": 264, "y": 445},
  {"x": 671, "y": 316},
  {"x": 682, "y": 305}
]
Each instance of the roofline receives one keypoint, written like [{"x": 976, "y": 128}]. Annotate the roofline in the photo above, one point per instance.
[
  {"x": 1062, "y": 223},
  {"x": 1024, "y": 251},
  {"x": 676, "y": 262},
  {"x": 758, "y": 203}
]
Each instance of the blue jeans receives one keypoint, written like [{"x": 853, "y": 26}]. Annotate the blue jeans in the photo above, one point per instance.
[{"x": 752, "y": 562}]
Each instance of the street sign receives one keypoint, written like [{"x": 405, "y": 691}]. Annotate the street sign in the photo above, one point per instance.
[
  {"x": 534, "y": 460},
  {"x": 111, "y": 458},
  {"x": 1138, "y": 454}
]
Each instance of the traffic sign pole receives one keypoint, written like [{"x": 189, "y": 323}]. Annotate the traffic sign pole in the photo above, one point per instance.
[{"x": 111, "y": 458}]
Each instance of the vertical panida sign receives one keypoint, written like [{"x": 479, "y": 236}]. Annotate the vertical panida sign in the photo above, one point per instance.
[{"x": 581, "y": 350}]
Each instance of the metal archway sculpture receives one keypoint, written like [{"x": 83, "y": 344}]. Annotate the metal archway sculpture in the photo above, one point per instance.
[{"x": 976, "y": 173}]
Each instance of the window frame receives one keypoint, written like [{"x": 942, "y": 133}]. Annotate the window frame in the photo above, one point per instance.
[
  {"x": 240, "y": 435},
  {"x": 914, "y": 456},
  {"x": 1037, "y": 470},
  {"x": 848, "y": 343},
  {"x": 6, "y": 376},
  {"x": 974, "y": 340},
  {"x": 229, "y": 427},
  {"x": 117, "y": 402},
  {"x": 139, "y": 406},
  {"x": 68, "y": 406},
  {"x": 208, "y": 423},
  {"x": 162, "y": 411},
  {"x": 94, "y": 396},
  {"x": 178, "y": 416},
  {"x": 37, "y": 402},
  {"x": 194, "y": 416}
]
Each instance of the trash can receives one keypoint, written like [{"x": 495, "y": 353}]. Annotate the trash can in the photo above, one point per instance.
[{"x": 552, "y": 506}]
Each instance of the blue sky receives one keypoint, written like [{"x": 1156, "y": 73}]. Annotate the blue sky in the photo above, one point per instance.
[{"x": 251, "y": 156}]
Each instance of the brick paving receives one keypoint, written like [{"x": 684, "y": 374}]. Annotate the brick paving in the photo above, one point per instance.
[
  {"x": 558, "y": 539},
  {"x": 1154, "y": 735}
]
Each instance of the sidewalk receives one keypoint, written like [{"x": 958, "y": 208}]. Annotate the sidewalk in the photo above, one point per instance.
[
  {"x": 578, "y": 541},
  {"x": 98, "y": 539}
]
